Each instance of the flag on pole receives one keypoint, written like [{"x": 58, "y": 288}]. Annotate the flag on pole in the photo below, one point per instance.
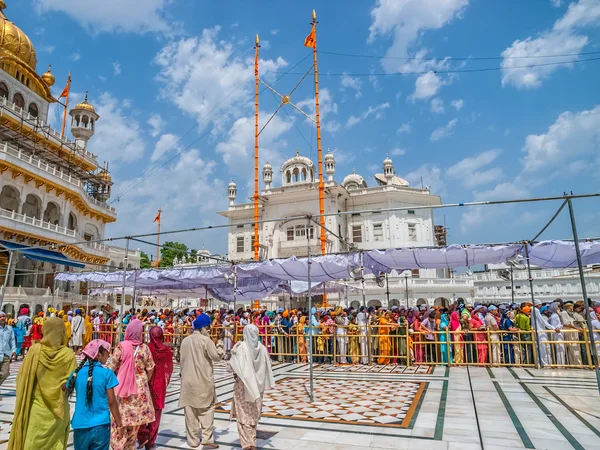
[
  {"x": 157, "y": 218},
  {"x": 65, "y": 92},
  {"x": 311, "y": 39}
]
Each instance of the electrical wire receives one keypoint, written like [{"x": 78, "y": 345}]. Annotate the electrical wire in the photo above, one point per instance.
[
  {"x": 447, "y": 71},
  {"x": 208, "y": 131},
  {"x": 456, "y": 58}
]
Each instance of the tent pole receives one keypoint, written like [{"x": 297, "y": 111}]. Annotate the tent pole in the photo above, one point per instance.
[
  {"x": 588, "y": 319},
  {"x": 10, "y": 258},
  {"x": 535, "y": 326},
  {"x": 125, "y": 259},
  {"x": 310, "y": 327}
]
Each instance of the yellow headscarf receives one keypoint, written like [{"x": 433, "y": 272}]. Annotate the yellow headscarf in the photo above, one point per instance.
[
  {"x": 48, "y": 363},
  {"x": 67, "y": 326},
  {"x": 87, "y": 336}
]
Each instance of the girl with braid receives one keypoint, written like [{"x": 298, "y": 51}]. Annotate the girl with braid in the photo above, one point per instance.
[{"x": 96, "y": 398}]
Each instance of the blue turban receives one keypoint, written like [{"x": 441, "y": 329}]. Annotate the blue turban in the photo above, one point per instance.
[
  {"x": 77, "y": 311},
  {"x": 313, "y": 310},
  {"x": 201, "y": 321},
  {"x": 543, "y": 309},
  {"x": 280, "y": 310}
]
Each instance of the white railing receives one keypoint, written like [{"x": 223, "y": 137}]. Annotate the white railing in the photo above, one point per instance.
[
  {"x": 20, "y": 113},
  {"x": 52, "y": 170},
  {"x": 521, "y": 275}
]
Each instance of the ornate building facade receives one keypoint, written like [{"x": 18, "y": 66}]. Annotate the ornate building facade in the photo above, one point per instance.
[
  {"x": 356, "y": 223},
  {"x": 53, "y": 192}
]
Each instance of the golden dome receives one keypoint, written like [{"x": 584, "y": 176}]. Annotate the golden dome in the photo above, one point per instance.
[
  {"x": 48, "y": 77},
  {"x": 84, "y": 104},
  {"x": 103, "y": 174},
  {"x": 14, "y": 42}
]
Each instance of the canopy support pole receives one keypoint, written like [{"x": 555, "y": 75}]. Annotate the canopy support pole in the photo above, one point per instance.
[
  {"x": 310, "y": 322},
  {"x": 588, "y": 319},
  {"x": 10, "y": 258},
  {"x": 535, "y": 325},
  {"x": 125, "y": 259}
]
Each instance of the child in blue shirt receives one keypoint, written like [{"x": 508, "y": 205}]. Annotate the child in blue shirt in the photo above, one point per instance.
[{"x": 95, "y": 400}]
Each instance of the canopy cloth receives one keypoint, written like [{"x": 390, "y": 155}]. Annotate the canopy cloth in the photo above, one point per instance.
[{"x": 257, "y": 280}]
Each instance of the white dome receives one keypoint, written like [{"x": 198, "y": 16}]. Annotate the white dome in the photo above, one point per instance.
[
  {"x": 267, "y": 166},
  {"x": 354, "y": 178},
  {"x": 232, "y": 184},
  {"x": 329, "y": 156},
  {"x": 297, "y": 160},
  {"x": 387, "y": 161}
]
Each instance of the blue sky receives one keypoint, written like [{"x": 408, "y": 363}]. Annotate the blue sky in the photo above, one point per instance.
[{"x": 157, "y": 68}]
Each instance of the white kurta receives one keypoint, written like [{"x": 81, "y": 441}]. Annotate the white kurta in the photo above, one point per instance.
[{"x": 77, "y": 330}]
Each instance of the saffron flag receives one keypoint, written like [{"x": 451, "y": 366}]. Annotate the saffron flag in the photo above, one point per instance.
[
  {"x": 311, "y": 39},
  {"x": 157, "y": 218},
  {"x": 65, "y": 92}
]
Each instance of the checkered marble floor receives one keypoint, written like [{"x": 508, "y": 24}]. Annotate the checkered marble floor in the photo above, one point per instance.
[
  {"x": 426, "y": 408},
  {"x": 387, "y": 403}
]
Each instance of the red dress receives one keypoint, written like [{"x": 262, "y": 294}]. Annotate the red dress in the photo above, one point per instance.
[{"x": 36, "y": 332}]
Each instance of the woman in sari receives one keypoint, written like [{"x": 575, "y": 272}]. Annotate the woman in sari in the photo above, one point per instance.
[
  {"x": 417, "y": 337},
  {"x": 251, "y": 365},
  {"x": 163, "y": 360},
  {"x": 87, "y": 334},
  {"x": 302, "y": 350},
  {"x": 42, "y": 412},
  {"x": 456, "y": 337},
  {"x": 19, "y": 331},
  {"x": 264, "y": 330},
  {"x": 353, "y": 342},
  {"x": 478, "y": 328},
  {"x": 445, "y": 348},
  {"x": 215, "y": 329},
  {"x": 385, "y": 340},
  {"x": 132, "y": 362},
  {"x": 65, "y": 319}
]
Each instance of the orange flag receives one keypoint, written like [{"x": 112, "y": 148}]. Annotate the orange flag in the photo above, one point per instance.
[
  {"x": 311, "y": 39},
  {"x": 157, "y": 218},
  {"x": 65, "y": 92}
]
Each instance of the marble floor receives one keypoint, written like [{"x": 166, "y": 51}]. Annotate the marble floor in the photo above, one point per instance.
[{"x": 391, "y": 407}]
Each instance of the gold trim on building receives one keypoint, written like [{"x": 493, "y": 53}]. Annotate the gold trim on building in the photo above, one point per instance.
[{"x": 72, "y": 251}]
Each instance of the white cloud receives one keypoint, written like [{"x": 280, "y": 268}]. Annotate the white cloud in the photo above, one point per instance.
[
  {"x": 112, "y": 15},
  {"x": 116, "y": 68},
  {"x": 203, "y": 76},
  {"x": 406, "y": 127},
  {"x": 406, "y": 20},
  {"x": 572, "y": 135},
  {"x": 426, "y": 86},
  {"x": 354, "y": 83},
  {"x": 165, "y": 143},
  {"x": 157, "y": 123},
  {"x": 561, "y": 39},
  {"x": 75, "y": 56},
  {"x": 437, "y": 106},
  {"x": 327, "y": 108},
  {"x": 468, "y": 170},
  {"x": 343, "y": 157},
  {"x": 274, "y": 32},
  {"x": 398, "y": 151},
  {"x": 376, "y": 111},
  {"x": 443, "y": 132},
  {"x": 556, "y": 3},
  {"x": 47, "y": 48},
  {"x": 458, "y": 104},
  {"x": 118, "y": 135},
  {"x": 430, "y": 175}
]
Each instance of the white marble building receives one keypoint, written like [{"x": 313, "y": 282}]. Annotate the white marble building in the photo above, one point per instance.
[
  {"x": 287, "y": 235},
  {"x": 53, "y": 192}
]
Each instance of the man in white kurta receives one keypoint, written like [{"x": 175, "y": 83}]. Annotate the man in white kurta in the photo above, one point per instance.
[
  {"x": 198, "y": 395},
  {"x": 77, "y": 330}
]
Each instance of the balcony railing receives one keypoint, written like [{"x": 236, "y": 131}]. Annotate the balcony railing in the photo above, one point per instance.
[
  {"x": 20, "y": 113},
  {"x": 39, "y": 223},
  {"x": 52, "y": 170}
]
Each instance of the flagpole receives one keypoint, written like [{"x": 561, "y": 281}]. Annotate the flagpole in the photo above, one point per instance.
[
  {"x": 158, "y": 238},
  {"x": 256, "y": 243},
  {"x": 319, "y": 148},
  {"x": 66, "y": 106}
]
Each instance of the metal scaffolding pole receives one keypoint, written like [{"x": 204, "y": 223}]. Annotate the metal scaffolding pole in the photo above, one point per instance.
[
  {"x": 125, "y": 259},
  {"x": 534, "y": 320},
  {"x": 10, "y": 258},
  {"x": 310, "y": 327},
  {"x": 588, "y": 319}
]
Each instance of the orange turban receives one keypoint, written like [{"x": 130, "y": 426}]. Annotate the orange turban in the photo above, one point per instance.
[
  {"x": 285, "y": 313},
  {"x": 526, "y": 309}
]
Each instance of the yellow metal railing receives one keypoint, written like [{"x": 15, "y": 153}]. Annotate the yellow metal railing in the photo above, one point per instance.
[{"x": 394, "y": 344}]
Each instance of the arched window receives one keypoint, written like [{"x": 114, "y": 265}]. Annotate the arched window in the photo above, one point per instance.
[
  {"x": 19, "y": 100},
  {"x": 85, "y": 120},
  {"x": 3, "y": 90},
  {"x": 288, "y": 177},
  {"x": 72, "y": 225},
  {"x": 33, "y": 110},
  {"x": 77, "y": 119},
  {"x": 92, "y": 124},
  {"x": 421, "y": 301},
  {"x": 10, "y": 198},
  {"x": 355, "y": 304},
  {"x": 32, "y": 206},
  {"x": 9, "y": 309},
  {"x": 374, "y": 303},
  {"x": 52, "y": 213}
]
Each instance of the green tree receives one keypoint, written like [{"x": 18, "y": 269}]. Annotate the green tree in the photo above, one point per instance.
[
  {"x": 191, "y": 258},
  {"x": 170, "y": 251},
  {"x": 145, "y": 261}
]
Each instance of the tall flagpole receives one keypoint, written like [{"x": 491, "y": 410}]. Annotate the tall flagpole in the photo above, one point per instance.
[
  {"x": 319, "y": 148},
  {"x": 158, "y": 238},
  {"x": 62, "y": 133},
  {"x": 256, "y": 243}
]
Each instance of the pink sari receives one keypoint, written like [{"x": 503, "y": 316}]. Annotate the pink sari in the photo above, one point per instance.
[{"x": 126, "y": 376}]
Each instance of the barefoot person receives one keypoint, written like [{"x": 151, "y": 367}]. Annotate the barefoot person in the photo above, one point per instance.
[
  {"x": 198, "y": 395},
  {"x": 42, "y": 411},
  {"x": 253, "y": 376}
]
